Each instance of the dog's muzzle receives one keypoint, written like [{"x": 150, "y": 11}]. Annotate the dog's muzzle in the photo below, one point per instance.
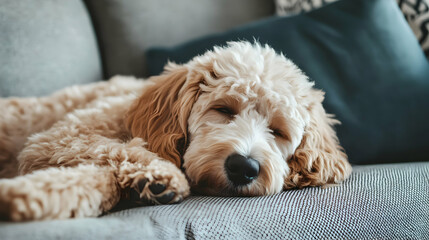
[{"x": 241, "y": 170}]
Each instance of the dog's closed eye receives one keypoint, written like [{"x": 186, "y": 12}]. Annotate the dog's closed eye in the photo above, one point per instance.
[
  {"x": 278, "y": 133},
  {"x": 225, "y": 110}
]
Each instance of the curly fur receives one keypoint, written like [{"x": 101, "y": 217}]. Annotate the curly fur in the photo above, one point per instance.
[{"x": 80, "y": 150}]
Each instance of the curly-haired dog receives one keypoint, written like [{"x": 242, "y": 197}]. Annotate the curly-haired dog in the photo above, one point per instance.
[{"x": 239, "y": 121}]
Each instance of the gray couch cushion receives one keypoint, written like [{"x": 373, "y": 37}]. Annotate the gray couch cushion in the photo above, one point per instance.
[
  {"x": 127, "y": 228},
  {"x": 377, "y": 202},
  {"x": 127, "y": 27},
  {"x": 45, "y": 45}
]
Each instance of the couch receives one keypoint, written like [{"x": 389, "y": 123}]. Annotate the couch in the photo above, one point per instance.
[{"x": 46, "y": 45}]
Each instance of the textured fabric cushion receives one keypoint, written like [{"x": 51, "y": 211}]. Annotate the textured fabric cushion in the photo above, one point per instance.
[
  {"x": 416, "y": 13},
  {"x": 366, "y": 59},
  {"x": 127, "y": 27},
  {"x": 45, "y": 45},
  {"x": 108, "y": 227},
  {"x": 377, "y": 202}
]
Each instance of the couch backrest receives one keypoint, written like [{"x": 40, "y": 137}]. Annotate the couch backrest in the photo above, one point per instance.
[
  {"x": 45, "y": 45},
  {"x": 126, "y": 28}
]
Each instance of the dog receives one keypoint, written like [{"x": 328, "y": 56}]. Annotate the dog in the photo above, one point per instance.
[{"x": 240, "y": 120}]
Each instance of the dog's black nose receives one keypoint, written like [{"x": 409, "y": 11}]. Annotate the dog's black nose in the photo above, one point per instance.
[{"x": 241, "y": 170}]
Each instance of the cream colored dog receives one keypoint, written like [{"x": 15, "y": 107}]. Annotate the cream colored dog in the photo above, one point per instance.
[{"x": 239, "y": 121}]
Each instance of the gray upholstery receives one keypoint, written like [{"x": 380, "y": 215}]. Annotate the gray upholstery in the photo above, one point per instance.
[
  {"x": 45, "y": 45},
  {"x": 126, "y": 28},
  {"x": 377, "y": 202},
  {"x": 127, "y": 228}
]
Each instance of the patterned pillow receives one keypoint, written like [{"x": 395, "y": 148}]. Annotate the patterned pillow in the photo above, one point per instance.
[{"x": 415, "y": 11}]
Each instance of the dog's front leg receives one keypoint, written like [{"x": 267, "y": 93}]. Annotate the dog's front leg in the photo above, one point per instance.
[
  {"x": 151, "y": 178},
  {"x": 91, "y": 187}
]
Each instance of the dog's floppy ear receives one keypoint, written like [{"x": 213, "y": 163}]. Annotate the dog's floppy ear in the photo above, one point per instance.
[
  {"x": 160, "y": 115},
  {"x": 319, "y": 159}
]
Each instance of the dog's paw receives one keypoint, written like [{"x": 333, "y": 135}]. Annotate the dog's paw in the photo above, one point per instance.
[
  {"x": 155, "y": 193},
  {"x": 160, "y": 182}
]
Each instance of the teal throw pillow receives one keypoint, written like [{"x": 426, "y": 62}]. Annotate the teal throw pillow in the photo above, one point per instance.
[{"x": 364, "y": 56}]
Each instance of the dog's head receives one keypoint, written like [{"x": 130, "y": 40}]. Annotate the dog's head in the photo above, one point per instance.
[{"x": 240, "y": 120}]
